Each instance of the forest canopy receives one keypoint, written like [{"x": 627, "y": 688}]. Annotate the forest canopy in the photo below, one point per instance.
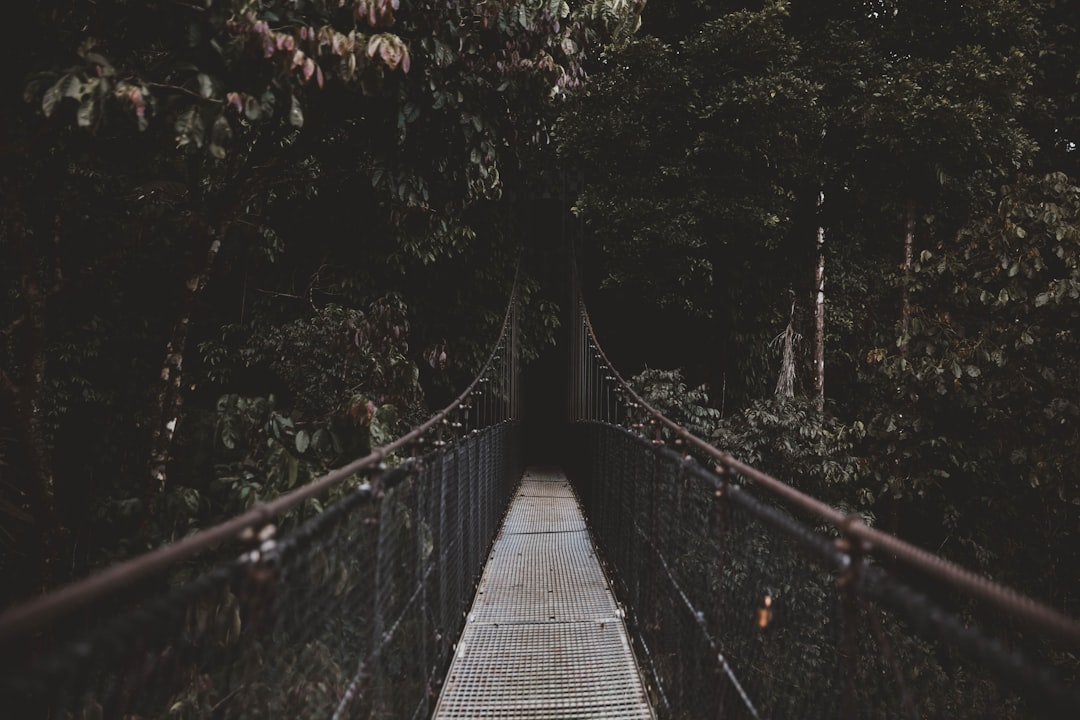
[
  {"x": 243, "y": 241},
  {"x": 869, "y": 210}
]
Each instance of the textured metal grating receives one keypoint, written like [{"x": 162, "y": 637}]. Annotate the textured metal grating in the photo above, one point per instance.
[
  {"x": 545, "y": 638},
  {"x": 552, "y": 670},
  {"x": 542, "y": 577},
  {"x": 533, "y": 513}
]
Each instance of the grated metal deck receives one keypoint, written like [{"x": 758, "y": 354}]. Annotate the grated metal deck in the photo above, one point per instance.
[{"x": 545, "y": 638}]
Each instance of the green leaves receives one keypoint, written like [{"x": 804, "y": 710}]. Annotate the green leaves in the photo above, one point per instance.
[
  {"x": 666, "y": 391},
  {"x": 992, "y": 356},
  {"x": 68, "y": 86},
  {"x": 296, "y": 113},
  {"x": 189, "y": 128}
]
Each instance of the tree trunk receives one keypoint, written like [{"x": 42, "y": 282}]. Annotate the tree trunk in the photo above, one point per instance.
[
  {"x": 909, "y": 257},
  {"x": 907, "y": 267},
  {"x": 170, "y": 397},
  {"x": 28, "y": 398},
  {"x": 819, "y": 311}
]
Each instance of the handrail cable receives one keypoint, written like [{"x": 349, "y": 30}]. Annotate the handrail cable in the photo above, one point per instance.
[
  {"x": 36, "y": 613},
  {"x": 851, "y": 526}
]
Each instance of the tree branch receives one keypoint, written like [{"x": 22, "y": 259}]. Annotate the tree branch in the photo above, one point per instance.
[{"x": 185, "y": 91}]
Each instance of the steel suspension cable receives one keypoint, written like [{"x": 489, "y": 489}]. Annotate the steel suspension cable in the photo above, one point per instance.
[{"x": 1059, "y": 626}]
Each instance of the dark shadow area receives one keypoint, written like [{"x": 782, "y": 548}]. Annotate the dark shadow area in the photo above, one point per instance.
[
  {"x": 549, "y": 231},
  {"x": 545, "y": 386}
]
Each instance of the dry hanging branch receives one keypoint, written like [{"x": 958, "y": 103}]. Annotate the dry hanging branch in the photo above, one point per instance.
[{"x": 787, "y": 340}]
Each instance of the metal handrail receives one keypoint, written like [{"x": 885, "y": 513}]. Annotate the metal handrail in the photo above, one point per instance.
[
  {"x": 852, "y": 527},
  {"x": 31, "y": 616}
]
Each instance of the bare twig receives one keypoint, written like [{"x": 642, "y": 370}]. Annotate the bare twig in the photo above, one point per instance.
[
  {"x": 186, "y": 91},
  {"x": 275, "y": 293}
]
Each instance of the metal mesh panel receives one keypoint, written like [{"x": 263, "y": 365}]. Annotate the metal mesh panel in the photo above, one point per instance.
[
  {"x": 545, "y": 638},
  {"x": 738, "y": 610},
  {"x": 354, "y": 614}
]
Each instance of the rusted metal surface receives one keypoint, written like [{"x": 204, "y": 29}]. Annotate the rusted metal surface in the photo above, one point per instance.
[{"x": 545, "y": 638}]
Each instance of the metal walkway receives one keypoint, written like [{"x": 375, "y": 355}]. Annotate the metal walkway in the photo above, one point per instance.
[{"x": 545, "y": 638}]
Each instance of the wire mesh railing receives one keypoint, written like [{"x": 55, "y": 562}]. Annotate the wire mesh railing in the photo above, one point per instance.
[
  {"x": 744, "y": 605},
  {"x": 352, "y": 614}
]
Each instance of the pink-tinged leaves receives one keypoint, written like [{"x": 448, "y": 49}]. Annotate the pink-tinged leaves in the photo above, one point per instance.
[
  {"x": 377, "y": 13},
  {"x": 137, "y": 97},
  {"x": 338, "y": 44},
  {"x": 319, "y": 76},
  {"x": 309, "y": 70},
  {"x": 373, "y": 45},
  {"x": 391, "y": 50},
  {"x": 437, "y": 356},
  {"x": 325, "y": 37},
  {"x": 235, "y": 101}
]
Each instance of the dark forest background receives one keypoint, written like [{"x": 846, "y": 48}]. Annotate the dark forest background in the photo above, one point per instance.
[{"x": 242, "y": 242}]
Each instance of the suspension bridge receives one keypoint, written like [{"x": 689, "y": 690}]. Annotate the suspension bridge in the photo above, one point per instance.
[{"x": 652, "y": 576}]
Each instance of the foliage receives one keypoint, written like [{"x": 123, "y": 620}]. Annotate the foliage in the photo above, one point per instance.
[
  {"x": 790, "y": 440},
  {"x": 666, "y": 391},
  {"x": 937, "y": 112},
  {"x": 984, "y": 422},
  {"x": 700, "y": 147},
  {"x": 682, "y": 179},
  {"x": 330, "y": 363},
  {"x": 256, "y": 180},
  {"x": 708, "y": 136},
  {"x": 428, "y": 103},
  {"x": 784, "y": 437}
]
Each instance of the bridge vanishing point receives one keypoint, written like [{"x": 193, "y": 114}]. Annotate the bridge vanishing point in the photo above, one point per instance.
[{"x": 651, "y": 576}]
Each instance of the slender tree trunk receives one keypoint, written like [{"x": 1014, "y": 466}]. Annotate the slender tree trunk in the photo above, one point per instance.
[
  {"x": 819, "y": 311},
  {"x": 28, "y": 398},
  {"x": 906, "y": 267},
  {"x": 910, "y": 211},
  {"x": 170, "y": 397}
]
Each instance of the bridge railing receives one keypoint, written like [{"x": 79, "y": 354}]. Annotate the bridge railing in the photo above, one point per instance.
[
  {"x": 352, "y": 614},
  {"x": 743, "y": 604}
]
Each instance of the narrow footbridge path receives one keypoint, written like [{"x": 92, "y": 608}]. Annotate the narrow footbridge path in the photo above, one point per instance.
[
  {"x": 545, "y": 637},
  {"x": 409, "y": 590}
]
